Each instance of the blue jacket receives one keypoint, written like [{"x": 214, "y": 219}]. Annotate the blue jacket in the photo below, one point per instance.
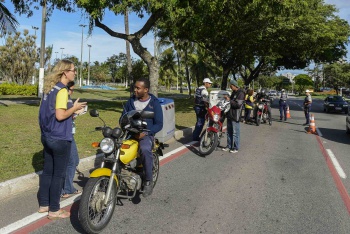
[{"x": 155, "y": 124}]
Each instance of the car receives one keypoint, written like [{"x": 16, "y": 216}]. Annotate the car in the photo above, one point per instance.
[
  {"x": 335, "y": 103},
  {"x": 348, "y": 123},
  {"x": 272, "y": 93}
]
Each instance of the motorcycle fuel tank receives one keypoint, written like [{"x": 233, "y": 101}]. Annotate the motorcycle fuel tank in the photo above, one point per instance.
[{"x": 128, "y": 151}]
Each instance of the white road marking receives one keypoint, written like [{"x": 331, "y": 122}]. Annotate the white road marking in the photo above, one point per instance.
[{"x": 336, "y": 164}]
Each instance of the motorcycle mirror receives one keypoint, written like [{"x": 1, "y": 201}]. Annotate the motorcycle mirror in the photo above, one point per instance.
[{"x": 94, "y": 113}]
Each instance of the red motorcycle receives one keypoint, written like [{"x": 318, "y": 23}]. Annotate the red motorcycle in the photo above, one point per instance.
[
  {"x": 263, "y": 113},
  {"x": 210, "y": 138}
]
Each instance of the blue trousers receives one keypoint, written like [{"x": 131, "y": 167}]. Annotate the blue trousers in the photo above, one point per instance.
[
  {"x": 233, "y": 134},
  {"x": 283, "y": 110},
  {"x": 200, "y": 115},
  {"x": 73, "y": 162},
  {"x": 307, "y": 114},
  {"x": 146, "y": 144},
  {"x": 56, "y": 155}
]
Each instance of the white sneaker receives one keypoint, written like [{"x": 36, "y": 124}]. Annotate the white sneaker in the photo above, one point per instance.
[
  {"x": 225, "y": 149},
  {"x": 234, "y": 151}
]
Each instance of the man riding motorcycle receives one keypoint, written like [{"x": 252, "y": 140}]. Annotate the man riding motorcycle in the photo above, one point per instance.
[
  {"x": 143, "y": 100},
  {"x": 261, "y": 96}
]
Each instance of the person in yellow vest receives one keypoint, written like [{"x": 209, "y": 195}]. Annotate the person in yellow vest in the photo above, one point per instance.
[{"x": 249, "y": 105}]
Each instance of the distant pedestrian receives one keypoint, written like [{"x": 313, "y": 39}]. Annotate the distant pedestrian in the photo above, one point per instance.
[
  {"x": 55, "y": 121},
  {"x": 201, "y": 103},
  {"x": 233, "y": 118},
  {"x": 73, "y": 162},
  {"x": 249, "y": 105},
  {"x": 307, "y": 106},
  {"x": 283, "y": 105}
]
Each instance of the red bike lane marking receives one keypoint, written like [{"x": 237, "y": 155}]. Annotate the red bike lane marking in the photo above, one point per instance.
[
  {"x": 338, "y": 182},
  {"x": 73, "y": 207}
]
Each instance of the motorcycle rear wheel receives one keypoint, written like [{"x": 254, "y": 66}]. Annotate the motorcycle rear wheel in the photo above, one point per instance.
[
  {"x": 93, "y": 215},
  {"x": 257, "y": 120},
  {"x": 208, "y": 147},
  {"x": 155, "y": 169}
]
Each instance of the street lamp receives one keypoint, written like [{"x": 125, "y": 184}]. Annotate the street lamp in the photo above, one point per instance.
[
  {"x": 35, "y": 28},
  {"x": 88, "y": 81},
  {"x": 81, "y": 54},
  {"x": 61, "y": 52}
]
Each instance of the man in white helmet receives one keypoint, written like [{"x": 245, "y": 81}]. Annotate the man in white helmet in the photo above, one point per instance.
[
  {"x": 283, "y": 105},
  {"x": 201, "y": 102}
]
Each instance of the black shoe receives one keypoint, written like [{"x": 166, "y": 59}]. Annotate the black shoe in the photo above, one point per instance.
[
  {"x": 285, "y": 119},
  {"x": 148, "y": 189}
]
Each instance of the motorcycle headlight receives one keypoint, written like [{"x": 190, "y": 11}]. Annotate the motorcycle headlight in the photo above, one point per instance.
[
  {"x": 107, "y": 145},
  {"x": 216, "y": 118},
  {"x": 261, "y": 106},
  {"x": 331, "y": 104}
]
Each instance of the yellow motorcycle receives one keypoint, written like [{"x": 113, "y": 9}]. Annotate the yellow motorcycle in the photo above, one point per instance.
[{"x": 121, "y": 174}]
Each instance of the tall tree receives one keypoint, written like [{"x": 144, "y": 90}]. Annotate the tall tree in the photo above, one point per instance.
[
  {"x": 337, "y": 75},
  {"x": 17, "y": 57}
]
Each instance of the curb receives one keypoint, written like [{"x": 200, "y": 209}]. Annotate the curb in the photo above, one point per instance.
[{"x": 31, "y": 181}]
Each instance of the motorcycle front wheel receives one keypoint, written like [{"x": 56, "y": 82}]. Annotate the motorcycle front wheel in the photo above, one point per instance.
[
  {"x": 94, "y": 216},
  {"x": 155, "y": 169},
  {"x": 208, "y": 146}
]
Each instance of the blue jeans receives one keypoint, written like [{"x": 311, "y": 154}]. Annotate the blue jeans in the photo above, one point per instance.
[
  {"x": 247, "y": 114},
  {"x": 146, "y": 144},
  {"x": 283, "y": 110},
  {"x": 200, "y": 115},
  {"x": 233, "y": 134},
  {"x": 56, "y": 155},
  {"x": 73, "y": 162},
  {"x": 307, "y": 114}
]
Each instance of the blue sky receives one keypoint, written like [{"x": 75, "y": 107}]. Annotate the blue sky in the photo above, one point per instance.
[{"x": 63, "y": 31}]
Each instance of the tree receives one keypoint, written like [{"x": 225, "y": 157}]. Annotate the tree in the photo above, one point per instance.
[
  {"x": 337, "y": 75},
  {"x": 8, "y": 22},
  {"x": 18, "y": 57},
  {"x": 303, "y": 81}
]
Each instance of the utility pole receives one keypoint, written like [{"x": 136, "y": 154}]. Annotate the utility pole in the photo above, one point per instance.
[
  {"x": 33, "y": 78},
  {"x": 88, "y": 81},
  {"x": 56, "y": 54},
  {"x": 81, "y": 54},
  {"x": 35, "y": 28},
  {"x": 42, "y": 51}
]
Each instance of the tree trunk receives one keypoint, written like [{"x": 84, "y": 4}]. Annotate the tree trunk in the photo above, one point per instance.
[
  {"x": 225, "y": 73},
  {"x": 128, "y": 56},
  {"x": 188, "y": 75}
]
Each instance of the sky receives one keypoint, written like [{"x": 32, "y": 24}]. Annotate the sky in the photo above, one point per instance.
[{"x": 63, "y": 31}]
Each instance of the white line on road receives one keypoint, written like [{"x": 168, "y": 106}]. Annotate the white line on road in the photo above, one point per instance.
[{"x": 336, "y": 164}]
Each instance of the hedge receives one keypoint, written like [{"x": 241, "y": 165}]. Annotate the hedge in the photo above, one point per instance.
[{"x": 16, "y": 89}]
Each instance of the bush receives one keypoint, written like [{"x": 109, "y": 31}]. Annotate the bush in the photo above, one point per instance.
[{"x": 16, "y": 89}]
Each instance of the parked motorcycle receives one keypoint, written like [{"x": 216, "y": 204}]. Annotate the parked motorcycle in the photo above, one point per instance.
[
  {"x": 212, "y": 134},
  {"x": 120, "y": 175},
  {"x": 263, "y": 114}
]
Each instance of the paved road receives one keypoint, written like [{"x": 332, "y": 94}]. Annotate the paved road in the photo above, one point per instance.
[{"x": 281, "y": 181}]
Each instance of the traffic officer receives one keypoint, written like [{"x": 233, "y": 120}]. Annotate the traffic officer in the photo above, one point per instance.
[
  {"x": 283, "y": 105},
  {"x": 307, "y": 106},
  {"x": 201, "y": 101}
]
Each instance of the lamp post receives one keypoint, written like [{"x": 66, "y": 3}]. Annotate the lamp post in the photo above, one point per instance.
[
  {"x": 61, "y": 52},
  {"x": 88, "y": 81},
  {"x": 81, "y": 54},
  {"x": 35, "y": 28}
]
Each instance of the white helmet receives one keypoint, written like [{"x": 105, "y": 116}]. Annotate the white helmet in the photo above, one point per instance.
[{"x": 283, "y": 90}]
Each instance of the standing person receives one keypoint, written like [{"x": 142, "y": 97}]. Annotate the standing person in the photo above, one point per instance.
[
  {"x": 233, "y": 118},
  {"x": 201, "y": 103},
  {"x": 249, "y": 104},
  {"x": 55, "y": 120},
  {"x": 283, "y": 105},
  {"x": 73, "y": 161},
  {"x": 307, "y": 106},
  {"x": 143, "y": 100}
]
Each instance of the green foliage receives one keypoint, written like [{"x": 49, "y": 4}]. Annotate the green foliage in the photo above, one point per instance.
[
  {"x": 15, "y": 89},
  {"x": 337, "y": 75},
  {"x": 302, "y": 82},
  {"x": 18, "y": 57}
]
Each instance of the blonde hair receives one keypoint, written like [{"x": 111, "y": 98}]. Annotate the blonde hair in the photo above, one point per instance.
[{"x": 55, "y": 76}]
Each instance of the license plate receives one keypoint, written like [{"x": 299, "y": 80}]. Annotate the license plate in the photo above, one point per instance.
[{"x": 338, "y": 108}]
